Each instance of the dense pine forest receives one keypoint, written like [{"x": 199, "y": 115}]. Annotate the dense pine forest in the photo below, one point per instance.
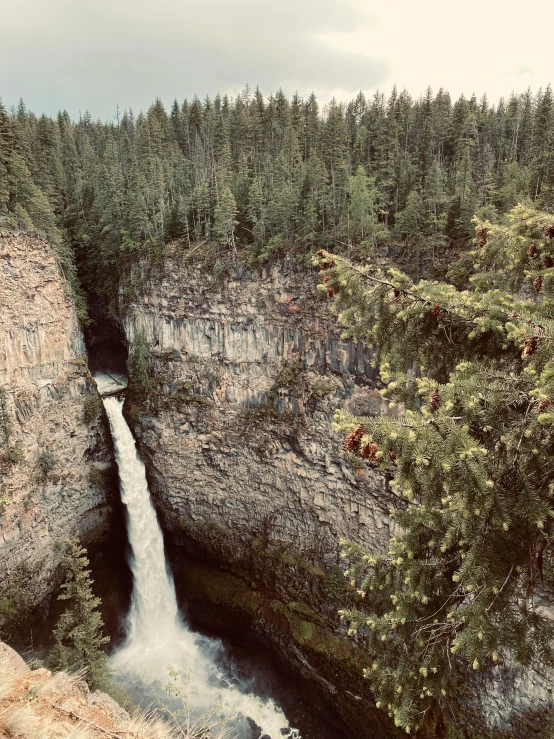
[
  {"x": 271, "y": 174},
  {"x": 469, "y": 360}
]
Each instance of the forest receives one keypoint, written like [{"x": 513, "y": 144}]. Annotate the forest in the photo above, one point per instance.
[
  {"x": 270, "y": 175},
  {"x": 468, "y": 360}
]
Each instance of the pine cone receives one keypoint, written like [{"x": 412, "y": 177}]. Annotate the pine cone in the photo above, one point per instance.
[
  {"x": 549, "y": 231},
  {"x": 482, "y": 231},
  {"x": 327, "y": 279},
  {"x": 532, "y": 250},
  {"x": 392, "y": 456},
  {"x": 529, "y": 346},
  {"x": 436, "y": 309},
  {"x": 544, "y": 404},
  {"x": 434, "y": 401},
  {"x": 547, "y": 261},
  {"x": 483, "y": 242},
  {"x": 352, "y": 440},
  {"x": 537, "y": 284},
  {"x": 332, "y": 292},
  {"x": 320, "y": 253},
  {"x": 369, "y": 451},
  {"x": 328, "y": 265}
]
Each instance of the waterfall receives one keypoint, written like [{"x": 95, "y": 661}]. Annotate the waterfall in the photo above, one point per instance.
[{"x": 157, "y": 636}]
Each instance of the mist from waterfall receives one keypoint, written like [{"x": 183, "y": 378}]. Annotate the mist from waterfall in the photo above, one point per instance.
[{"x": 157, "y": 636}]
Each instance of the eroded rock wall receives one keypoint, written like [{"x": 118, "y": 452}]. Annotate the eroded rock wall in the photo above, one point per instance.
[
  {"x": 244, "y": 466},
  {"x": 43, "y": 369},
  {"x": 248, "y": 474}
]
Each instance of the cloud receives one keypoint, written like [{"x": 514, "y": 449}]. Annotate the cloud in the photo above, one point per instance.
[{"x": 73, "y": 55}]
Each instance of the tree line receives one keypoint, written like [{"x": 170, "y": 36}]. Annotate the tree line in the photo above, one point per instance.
[{"x": 271, "y": 173}]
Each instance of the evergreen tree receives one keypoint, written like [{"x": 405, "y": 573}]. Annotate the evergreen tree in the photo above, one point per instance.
[
  {"x": 468, "y": 458},
  {"x": 364, "y": 225},
  {"x": 225, "y": 219},
  {"x": 78, "y": 633},
  {"x": 409, "y": 222}
]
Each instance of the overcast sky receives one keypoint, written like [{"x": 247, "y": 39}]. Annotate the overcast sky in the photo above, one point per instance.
[{"x": 97, "y": 54}]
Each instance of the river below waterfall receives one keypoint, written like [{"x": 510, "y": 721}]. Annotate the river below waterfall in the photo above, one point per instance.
[{"x": 157, "y": 637}]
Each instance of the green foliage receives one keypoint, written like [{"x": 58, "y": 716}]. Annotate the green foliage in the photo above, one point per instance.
[
  {"x": 46, "y": 462},
  {"x": 78, "y": 633},
  {"x": 225, "y": 218},
  {"x": 469, "y": 458},
  {"x": 18, "y": 600},
  {"x": 140, "y": 378},
  {"x": 270, "y": 174},
  {"x": 91, "y": 407}
]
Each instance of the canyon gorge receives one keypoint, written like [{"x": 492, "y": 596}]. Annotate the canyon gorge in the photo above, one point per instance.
[{"x": 249, "y": 481}]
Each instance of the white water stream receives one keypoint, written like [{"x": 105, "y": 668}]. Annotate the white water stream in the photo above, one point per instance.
[{"x": 157, "y": 637}]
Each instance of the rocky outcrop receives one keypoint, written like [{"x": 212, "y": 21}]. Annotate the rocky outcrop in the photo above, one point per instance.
[
  {"x": 244, "y": 466},
  {"x": 55, "y": 468},
  {"x": 38, "y": 704}
]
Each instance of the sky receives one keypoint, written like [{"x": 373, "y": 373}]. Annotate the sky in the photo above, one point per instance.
[{"x": 97, "y": 55}]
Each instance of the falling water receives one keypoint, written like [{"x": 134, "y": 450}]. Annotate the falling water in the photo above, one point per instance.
[{"x": 157, "y": 637}]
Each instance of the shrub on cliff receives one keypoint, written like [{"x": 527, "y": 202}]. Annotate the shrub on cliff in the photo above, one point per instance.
[
  {"x": 46, "y": 462},
  {"x": 91, "y": 407},
  {"x": 469, "y": 457},
  {"x": 140, "y": 380},
  {"x": 78, "y": 633},
  {"x": 5, "y": 420}
]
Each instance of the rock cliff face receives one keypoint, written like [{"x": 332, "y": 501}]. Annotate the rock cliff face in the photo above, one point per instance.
[
  {"x": 248, "y": 475},
  {"x": 53, "y": 478},
  {"x": 245, "y": 468}
]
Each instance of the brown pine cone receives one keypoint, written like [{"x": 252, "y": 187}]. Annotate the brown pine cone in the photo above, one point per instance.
[
  {"x": 320, "y": 253},
  {"x": 532, "y": 250},
  {"x": 436, "y": 309},
  {"x": 352, "y": 440},
  {"x": 434, "y": 401},
  {"x": 327, "y": 279},
  {"x": 328, "y": 265},
  {"x": 369, "y": 451},
  {"x": 549, "y": 231},
  {"x": 331, "y": 293},
  {"x": 482, "y": 231},
  {"x": 529, "y": 346},
  {"x": 537, "y": 284},
  {"x": 392, "y": 456},
  {"x": 483, "y": 242},
  {"x": 547, "y": 261},
  {"x": 544, "y": 404}
]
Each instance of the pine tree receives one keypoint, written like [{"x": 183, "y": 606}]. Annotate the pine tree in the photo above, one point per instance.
[
  {"x": 363, "y": 222},
  {"x": 225, "y": 219},
  {"x": 409, "y": 222},
  {"x": 78, "y": 633},
  {"x": 468, "y": 457}
]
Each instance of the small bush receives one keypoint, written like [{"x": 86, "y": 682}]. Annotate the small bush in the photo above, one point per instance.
[
  {"x": 91, "y": 407},
  {"x": 46, "y": 461},
  {"x": 97, "y": 478},
  {"x": 140, "y": 371}
]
